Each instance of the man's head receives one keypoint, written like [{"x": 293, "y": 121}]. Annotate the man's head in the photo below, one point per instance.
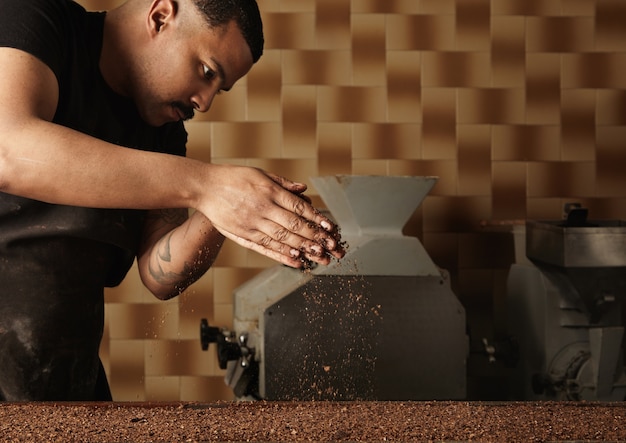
[
  {"x": 246, "y": 15},
  {"x": 180, "y": 54}
]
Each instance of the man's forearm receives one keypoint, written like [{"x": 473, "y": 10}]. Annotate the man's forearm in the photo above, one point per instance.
[
  {"x": 51, "y": 163},
  {"x": 178, "y": 258}
]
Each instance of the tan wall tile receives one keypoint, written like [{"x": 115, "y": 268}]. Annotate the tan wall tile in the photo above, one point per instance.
[
  {"x": 352, "y": 104},
  {"x": 546, "y": 208},
  {"x": 299, "y": 105},
  {"x": 456, "y": 69},
  {"x": 229, "y": 279},
  {"x": 273, "y": 5},
  {"x": 609, "y": 21},
  {"x": 455, "y": 214},
  {"x": 611, "y": 159},
  {"x": 177, "y": 357},
  {"x": 317, "y": 67},
  {"x": 604, "y": 208},
  {"x": 585, "y": 8},
  {"x": 256, "y": 260},
  {"x": 474, "y": 159},
  {"x": 561, "y": 179},
  {"x": 332, "y": 24},
  {"x": 578, "y": 125},
  {"x": 162, "y": 388},
  {"x": 264, "y": 84},
  {"x": 491, "y": 106},
  {"x": 439, "y": 123},
  {"x": 295, "y": 5},
  {"x": 199, "y": 140},
  {"x": 508, "y": 51},
  {"x": 593, "y": 70},
  {"x": 559, "y": 34},
  {"x": 543, "y": 88},
  {"x": 510, "y": 182},
  {"x": 227, "y": 107},
  {"x": 421, "y": 32},
  {"x": 526, "y": 143},
  {"x": 473, "y": 19},
  {"x": 246, "y": 139},
  {"x": 385, "y": 6},
  {"x": 144, "y": 321},
  {"x": 611, "y": 107},
  {"x": 445, "y": 170},
  {"x": 392, "y": 141},
  {"x": 403, "y": 86},
  {"x": 527, "y": 7},
  {"x": 368, "y": 49},
  {"x": 195, "y": 303},
  {"x": 205, "y": 389},
  {"x": 439, "y": 7},
  {"x": 287, "y": 30},
  {"x": 230, "y": 255},
  {"x": 127, "y": 370},
  {"x": 370, "y": 167},
  {"x": 335, "y": 148},
  {"x": 224, "y": 319}
]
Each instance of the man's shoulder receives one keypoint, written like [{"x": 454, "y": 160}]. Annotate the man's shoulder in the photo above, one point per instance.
[
  {"x": 22, "y": 15},
  {"x": 38, "y": 7},
  {"x": 40, "y": 27}
]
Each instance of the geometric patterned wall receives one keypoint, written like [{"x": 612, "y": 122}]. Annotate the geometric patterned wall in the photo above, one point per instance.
[{"x": 518, "y": 106}]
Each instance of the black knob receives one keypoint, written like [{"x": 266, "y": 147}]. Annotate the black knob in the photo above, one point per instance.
[{"x": 208, "y": 334}]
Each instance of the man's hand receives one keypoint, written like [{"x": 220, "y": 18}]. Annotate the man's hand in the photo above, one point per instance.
[{"x": 269, "y": 214}]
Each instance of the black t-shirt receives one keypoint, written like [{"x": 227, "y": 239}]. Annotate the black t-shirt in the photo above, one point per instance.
[{"x": 68, "y": 39}]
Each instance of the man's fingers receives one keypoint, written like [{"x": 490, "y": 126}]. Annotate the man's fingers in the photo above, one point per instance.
[
  {"x": 306, "y": 228},
  {"x": 300, "y": 204},
  {"x": 294, "y": 187},
  {"x": 298, "y": 240},
  {"x": 285, "y": 255},
  {"x": 288, "y": 259},
  {"x": 310, "y": 238}
]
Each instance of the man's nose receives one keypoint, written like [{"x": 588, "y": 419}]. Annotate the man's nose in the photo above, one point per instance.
[{"x": 202, "y": 101}]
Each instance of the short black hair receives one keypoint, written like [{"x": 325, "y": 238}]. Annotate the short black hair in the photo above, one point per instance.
[{"x": 244, "y": 12}]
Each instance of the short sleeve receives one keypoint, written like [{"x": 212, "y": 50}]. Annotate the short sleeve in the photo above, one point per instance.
[{"x": 36, "y": 27}]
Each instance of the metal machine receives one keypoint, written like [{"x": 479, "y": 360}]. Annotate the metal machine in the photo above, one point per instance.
[
  {"x": 565, "y": 309},
  {"x": 381, "y": 324}
]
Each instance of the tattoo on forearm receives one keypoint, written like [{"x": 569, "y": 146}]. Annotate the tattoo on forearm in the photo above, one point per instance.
[
  {"x": 163, "y": 256},
  {"x": 164, "y": 250}
]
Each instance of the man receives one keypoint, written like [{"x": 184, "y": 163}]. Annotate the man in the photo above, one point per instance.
[{"x": 77, "y": 205}]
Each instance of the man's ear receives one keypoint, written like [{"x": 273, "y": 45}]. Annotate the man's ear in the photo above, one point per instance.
[{"x": 160, "y": 14}]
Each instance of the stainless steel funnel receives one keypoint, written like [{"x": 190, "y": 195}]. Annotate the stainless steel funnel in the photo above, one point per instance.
[{"x": 371, "y": 211}]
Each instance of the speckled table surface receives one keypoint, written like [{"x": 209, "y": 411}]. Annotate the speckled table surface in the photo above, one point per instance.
[{"x": 314, "y": 421}]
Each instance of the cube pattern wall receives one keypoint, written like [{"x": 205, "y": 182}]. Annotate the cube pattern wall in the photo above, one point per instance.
[{"x": 519, "y": 106}]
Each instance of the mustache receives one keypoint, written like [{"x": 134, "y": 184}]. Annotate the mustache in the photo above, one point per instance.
[{"x": 187, "y": 111}]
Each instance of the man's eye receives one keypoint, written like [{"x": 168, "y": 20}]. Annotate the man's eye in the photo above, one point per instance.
[{"x": 209, "y": 74}]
